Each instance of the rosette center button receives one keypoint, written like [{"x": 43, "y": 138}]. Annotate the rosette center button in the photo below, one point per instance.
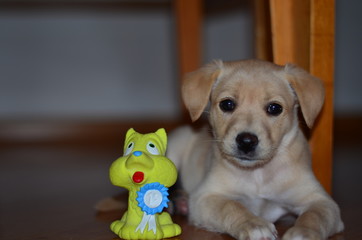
[{"x": 153, "y": 198}]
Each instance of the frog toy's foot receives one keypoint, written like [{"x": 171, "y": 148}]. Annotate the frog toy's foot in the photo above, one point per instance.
[
  {"x": 116, "y": 226},
  {"x": 129, "y": 231},
  {"x": 169, "y": 228},
  {"x": 164, "y": 229},
  {"x": 125, "y": 231}
]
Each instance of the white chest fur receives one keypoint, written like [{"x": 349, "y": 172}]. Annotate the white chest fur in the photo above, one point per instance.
[{"x": 259, "y": 192}]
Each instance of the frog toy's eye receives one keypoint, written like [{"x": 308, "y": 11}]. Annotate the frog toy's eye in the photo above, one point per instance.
[
  {"x": 151, "y": 148},
  {"x": 129, "y": 149}
]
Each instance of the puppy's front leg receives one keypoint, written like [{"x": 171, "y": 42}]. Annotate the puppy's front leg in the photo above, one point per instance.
[
  {"x": 217, "y": 213},
  {"x": 320, "y": 220}
]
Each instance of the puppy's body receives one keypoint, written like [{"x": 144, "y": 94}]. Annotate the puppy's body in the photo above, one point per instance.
[{"x": 254, "y": 165}]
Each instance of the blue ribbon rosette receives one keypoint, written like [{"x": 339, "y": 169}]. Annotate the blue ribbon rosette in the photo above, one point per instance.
[{"x": 152, "y": 198}]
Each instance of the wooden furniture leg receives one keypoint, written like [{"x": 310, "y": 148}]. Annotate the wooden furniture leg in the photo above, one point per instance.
[
  {"x": 322, "y": 66},
  {"x": 262, "y": 31},
  {"x": 303, "y": 33},
  {"x": 189, "y": 28}
]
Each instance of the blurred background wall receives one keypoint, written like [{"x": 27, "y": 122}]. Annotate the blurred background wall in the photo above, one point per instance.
[{"x": 99, "y": 63}]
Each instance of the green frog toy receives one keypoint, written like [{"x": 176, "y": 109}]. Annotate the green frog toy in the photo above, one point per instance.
[{"x": 147, "y": 174}]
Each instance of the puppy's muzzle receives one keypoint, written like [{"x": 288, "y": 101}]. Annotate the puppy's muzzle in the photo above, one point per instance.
[{"x": 247, "y": 142}]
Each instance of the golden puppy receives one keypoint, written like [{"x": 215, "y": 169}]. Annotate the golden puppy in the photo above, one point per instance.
[{"x": 255, "y": 166}]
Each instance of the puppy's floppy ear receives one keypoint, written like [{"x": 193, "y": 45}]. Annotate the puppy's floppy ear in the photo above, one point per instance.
[
  {"x": 309, "y": 91},
  {"x": 197, "y": 86}
]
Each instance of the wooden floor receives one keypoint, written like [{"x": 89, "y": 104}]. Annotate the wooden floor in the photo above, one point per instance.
[{"x": 49, "y": 189}]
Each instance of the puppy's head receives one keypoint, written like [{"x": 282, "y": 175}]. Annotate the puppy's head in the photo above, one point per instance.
[{"x": 253, "y": 106}]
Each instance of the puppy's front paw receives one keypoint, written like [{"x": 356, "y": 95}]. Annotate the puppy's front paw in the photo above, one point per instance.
[
  {"x": 300, "y": 233},
  {"x": 258, "y": 229}
]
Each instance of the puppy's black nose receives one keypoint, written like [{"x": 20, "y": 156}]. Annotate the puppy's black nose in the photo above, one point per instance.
[{"x": 246, "y": 142}]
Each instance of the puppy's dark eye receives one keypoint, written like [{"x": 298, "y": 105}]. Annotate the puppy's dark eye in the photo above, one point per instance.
[
  {"x": 274, "y": 109},
  {"x": 227, "y": 105}
]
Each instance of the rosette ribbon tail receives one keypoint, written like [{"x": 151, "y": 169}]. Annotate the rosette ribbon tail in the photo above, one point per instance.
[{"x": 147, "y": 219}]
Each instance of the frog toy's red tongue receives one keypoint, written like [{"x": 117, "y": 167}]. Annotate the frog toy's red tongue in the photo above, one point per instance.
[{"x": 138, "y": 177}]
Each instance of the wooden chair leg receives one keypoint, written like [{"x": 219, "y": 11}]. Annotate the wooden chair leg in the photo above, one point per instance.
[
  {"x": 322, "y": 66},
  {"x": 290, "y": 31},
  {"x": 188, "y": 15},
  {"x": 189, "y": 28},
  {"x": 262, "y": 31},
  {"x": 303, "y": 33}
]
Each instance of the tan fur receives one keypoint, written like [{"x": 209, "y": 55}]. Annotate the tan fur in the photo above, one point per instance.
[{"x": 241, "y": 195}]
